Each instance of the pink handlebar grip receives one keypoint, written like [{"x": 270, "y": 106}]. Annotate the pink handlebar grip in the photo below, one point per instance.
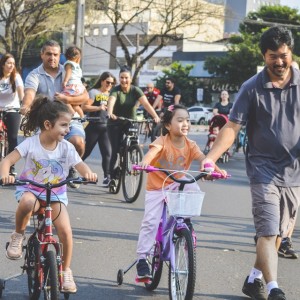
[
  {"x": 217, "y": 175},
  {"x": 148, "y": 169}
]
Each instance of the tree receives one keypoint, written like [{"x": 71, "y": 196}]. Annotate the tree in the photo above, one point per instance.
[
  {"x": 243, "y": 54},
  {"x": 25, "y": 20},
  {"x": 183, "y": 81},
  {"x": 169, "y": 20}
]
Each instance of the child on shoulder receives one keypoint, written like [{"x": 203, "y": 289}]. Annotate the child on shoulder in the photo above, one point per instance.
[
  {"x": 72, "y": 84},
  {"x": 174, "y": 151},
  {"x": 48, "y": 158}
]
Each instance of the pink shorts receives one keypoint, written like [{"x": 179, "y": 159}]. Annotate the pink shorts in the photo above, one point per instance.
[{"x": 74, "y": 90}]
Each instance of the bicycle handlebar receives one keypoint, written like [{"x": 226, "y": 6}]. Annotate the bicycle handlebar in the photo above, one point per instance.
[
  {"x": 5, "y": 109},
  {"x": 215, "y": 175},
  {"x": 86, "y": 119},
  {"x": 48, "y": 185},
  {"x": 134, "y": 121}
]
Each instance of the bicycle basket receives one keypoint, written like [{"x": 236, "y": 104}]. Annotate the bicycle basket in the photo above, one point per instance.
[{"x": 184, "y": 203}]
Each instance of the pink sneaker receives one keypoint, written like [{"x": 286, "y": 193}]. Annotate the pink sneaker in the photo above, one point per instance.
[
  {"x": 69, "y": 285},
  {"x": 15, "y": 247}
]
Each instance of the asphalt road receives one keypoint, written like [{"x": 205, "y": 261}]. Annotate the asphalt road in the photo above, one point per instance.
[{"x": 106, "y": 231}]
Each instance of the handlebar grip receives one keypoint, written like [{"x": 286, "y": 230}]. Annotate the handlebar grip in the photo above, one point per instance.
[
  {"x": 148, "y": 169},
  {"x": 217, "y": 175}
]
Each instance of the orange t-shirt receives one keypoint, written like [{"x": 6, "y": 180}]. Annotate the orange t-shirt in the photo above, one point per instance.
[{"x": 163, "y": 154}]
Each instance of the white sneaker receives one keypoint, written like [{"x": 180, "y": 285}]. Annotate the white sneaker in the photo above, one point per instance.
[
  {"x": 15, "y": 247},
  {"x": 69, "y": 285}
]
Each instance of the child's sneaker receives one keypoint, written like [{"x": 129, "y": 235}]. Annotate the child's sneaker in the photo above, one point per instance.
[
  {"x": 143, "y": 269},
  {"x": 69, "y": 285},
  {"x": 15, "y": 246}
]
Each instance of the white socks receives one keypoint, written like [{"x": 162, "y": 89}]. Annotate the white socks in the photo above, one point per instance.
[
  {"x": 272, "y": 285},
  {"x": 258, "y": 274},
  {"x": 254, "y": 274}
]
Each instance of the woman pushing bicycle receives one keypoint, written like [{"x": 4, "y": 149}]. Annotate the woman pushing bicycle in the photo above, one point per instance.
[
  {"x": 174, "y": 151},
  {"x": 123, "y": 102},
  {"x": 48, "y": 158}
]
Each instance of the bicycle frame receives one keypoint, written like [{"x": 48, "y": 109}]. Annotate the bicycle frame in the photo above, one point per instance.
[
  {"x": 44, "y": 234},
  {"x": 165, "y": 235}
]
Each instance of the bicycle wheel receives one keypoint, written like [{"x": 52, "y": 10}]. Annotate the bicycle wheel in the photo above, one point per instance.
[
  {"x": 182, "y": 279},
  {"x": 115, "y": 183},
  {"x": 51, "y": 286},
  {"x": 156, "y": 266},
  {"x": 132, "y": 179},
  {"x": 32, "y": 268}
]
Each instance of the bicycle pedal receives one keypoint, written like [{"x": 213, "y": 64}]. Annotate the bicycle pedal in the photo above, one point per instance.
[{"x": 145, "y": 279}]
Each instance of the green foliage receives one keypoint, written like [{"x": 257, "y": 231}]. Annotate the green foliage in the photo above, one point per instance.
[
  {"x": 243, "y": 54},
  {"x": 186, "y": 83}
]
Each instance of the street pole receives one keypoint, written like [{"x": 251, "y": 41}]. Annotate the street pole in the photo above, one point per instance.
[{"x": 79, "y": 27}]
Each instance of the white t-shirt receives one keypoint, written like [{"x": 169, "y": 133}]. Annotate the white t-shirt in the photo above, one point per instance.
[
  {"x": 7, "y": 97},
  {"x": 44, "y": 166}
]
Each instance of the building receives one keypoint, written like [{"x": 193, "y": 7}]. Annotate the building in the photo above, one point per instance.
[
  {"x": 237, "y": 10},
  {"x": 106, "y": 52}
]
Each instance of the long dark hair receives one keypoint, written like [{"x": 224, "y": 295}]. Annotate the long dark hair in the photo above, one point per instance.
[
  {"x": 41, "y": 110},
  {"x": 12, "y": 77},
  {"x": 103, "y": 77}
]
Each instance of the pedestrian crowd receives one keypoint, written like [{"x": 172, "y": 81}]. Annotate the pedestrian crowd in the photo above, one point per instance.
[{"x": 54, "y": 100}]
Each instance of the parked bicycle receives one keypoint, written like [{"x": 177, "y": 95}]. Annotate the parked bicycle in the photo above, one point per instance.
[
  {"x": 175, "y": 241},
  {"x": 241, "y": 141},
  {"x": 43, "y": 253},
  {"x": 130, "y": 154},
  {"x": 3, "y": 131}
]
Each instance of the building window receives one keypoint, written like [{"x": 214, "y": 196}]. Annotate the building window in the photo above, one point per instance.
[{"x": 96, "y": 31}]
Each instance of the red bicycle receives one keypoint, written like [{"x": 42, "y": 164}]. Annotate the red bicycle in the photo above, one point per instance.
[{"x": 43, "y": 253}]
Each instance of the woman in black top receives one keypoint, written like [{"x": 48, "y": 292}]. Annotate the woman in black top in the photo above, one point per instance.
[
  {"x": 96, "y": 131},
  {"x": 223, "y": 107}
]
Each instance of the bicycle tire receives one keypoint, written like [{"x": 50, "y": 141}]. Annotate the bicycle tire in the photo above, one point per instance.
[
  {"x": 155, "y": 265},
  {"x": 33, "y": 264},
  {"x": 132, "y": 179},
  {"x": 51, "y": 285},
  {"x": 182, "y": 280}
]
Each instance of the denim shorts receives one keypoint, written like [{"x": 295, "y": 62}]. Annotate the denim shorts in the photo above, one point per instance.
[
  {"x": 19, "y": 194},
  {"x": 274, "y": 208},
  {"x": 76, "y": 129}
]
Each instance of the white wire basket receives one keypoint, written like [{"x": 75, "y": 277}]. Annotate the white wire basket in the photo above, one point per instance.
[{"x": 184, "y": 203}]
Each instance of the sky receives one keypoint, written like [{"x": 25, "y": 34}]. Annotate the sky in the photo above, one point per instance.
[{"x": 291, "y": 3}]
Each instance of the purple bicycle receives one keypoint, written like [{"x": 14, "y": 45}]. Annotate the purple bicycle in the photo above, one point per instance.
[{"x": 175, "y": 241}]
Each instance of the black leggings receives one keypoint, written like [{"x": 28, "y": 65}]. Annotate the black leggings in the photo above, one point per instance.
[
  {"x": 12, "y": 122},
  {"x": 116, "y": 135},
  {"x": 97, "y": 133}
]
